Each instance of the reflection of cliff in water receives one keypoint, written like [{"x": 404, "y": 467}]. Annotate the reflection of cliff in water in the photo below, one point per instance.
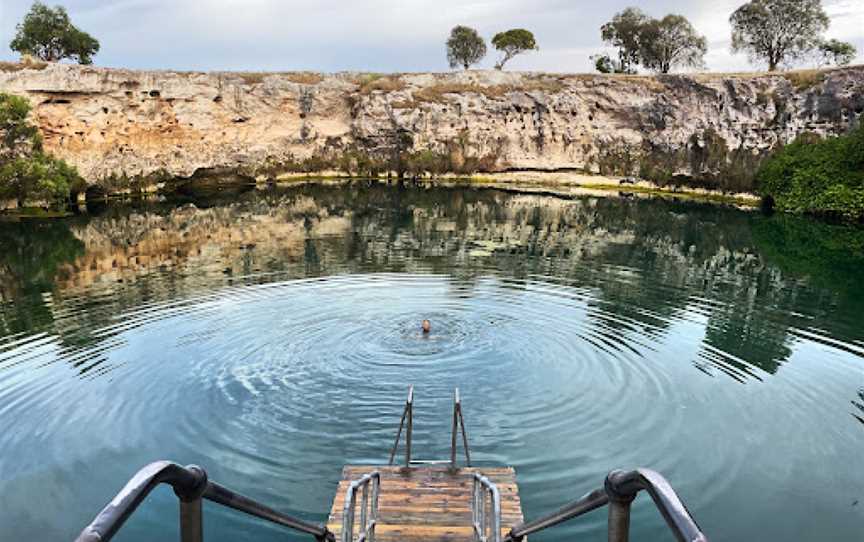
[
  {"x": 31, "y": 253},
  {"x": 649, "y": 264}
]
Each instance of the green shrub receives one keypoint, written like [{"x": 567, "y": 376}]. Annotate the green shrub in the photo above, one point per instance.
[
  {"x": 18, "y": 135},
  {"x": 26, "y": 172},
  {"x": 817, "y": 176},
  {"x": 37, "y": 176},
  {"x": 419, "y": 163}
]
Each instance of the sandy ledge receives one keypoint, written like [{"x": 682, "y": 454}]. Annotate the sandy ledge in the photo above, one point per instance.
[{"x": 566, "y": 184}]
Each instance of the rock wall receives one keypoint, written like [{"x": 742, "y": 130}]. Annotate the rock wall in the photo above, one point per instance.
[{"x": 125, "y": 128}]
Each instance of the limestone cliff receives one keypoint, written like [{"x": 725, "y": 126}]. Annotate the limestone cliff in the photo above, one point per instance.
[{"x": 121, "y": 126}]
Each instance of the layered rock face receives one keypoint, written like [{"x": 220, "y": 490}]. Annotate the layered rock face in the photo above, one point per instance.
[{"x": 120, "y": 127}]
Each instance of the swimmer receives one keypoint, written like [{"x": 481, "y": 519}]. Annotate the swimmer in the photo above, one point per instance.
[{"x": 427, "y": 327}]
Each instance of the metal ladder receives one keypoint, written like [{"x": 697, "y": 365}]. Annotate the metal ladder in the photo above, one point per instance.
[
  {"x": 369, "y": 502},
  {"x": 368, "y": 508},
  {"x": 407, "y": 423},
  {"x": 619, "y": 490},
  {"x": 192, "y": 487}
]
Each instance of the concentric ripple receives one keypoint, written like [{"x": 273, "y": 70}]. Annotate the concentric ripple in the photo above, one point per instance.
[{"x": 274, "y": 380}]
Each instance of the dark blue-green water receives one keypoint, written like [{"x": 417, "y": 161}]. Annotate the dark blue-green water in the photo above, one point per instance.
[{"x": 270, "y": 336}]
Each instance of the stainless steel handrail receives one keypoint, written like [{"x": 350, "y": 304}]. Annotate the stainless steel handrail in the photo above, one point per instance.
[
  {"x": 486, "y": 523},
  {"x": 458, "y": 421},
  {"x": 368, "y": 508},
  {"x": 618, "y": 491},
  {"x": 191, "y": 486},
  {"x": 407, "y": 415}
]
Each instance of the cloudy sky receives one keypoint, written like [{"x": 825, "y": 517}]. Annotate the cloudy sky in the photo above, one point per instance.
[{"x": 375, "y": 35}]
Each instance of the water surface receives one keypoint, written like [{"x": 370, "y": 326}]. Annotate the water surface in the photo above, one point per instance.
[{"x": 270, "y": 336}]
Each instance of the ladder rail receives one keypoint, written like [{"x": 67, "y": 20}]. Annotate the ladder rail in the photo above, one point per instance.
[
  {"x": 407, "y": 415},
  {"x": 458, "y": 421},
  {"x": 368, "y": 508},
  {"x": 619, "y": 490},
  {"x": 191, "y": 486},
  {"x": 485, "y": 510},
  {"x": 406, "y": 423}
]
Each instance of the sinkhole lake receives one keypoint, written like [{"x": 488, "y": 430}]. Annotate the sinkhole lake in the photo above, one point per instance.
[{"x": 270, "y": 336}]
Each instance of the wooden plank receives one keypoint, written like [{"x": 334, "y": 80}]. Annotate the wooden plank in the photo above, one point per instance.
[
  {"x": 411, "y": 533},
  {"x": 427, "y": 503}
]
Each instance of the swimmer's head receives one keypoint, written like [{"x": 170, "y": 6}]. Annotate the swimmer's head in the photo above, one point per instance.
[{"x": 427, "y": 326}]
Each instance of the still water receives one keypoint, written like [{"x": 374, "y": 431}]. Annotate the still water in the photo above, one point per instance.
[{"x": 270, "y": 336}]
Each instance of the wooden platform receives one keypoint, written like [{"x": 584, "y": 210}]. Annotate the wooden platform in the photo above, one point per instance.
[{"x": 428, "y": 503}]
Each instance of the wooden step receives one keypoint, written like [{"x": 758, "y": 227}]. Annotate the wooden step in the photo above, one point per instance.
[{"x": 427, "y": 503}]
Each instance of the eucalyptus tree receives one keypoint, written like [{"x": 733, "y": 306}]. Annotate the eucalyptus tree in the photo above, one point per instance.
[
  {"x": 836, "y": 52},
  {"x": 465, "y": 47},
  {"x": 48, "y": 34},
  {"x": 624, "y": 33},
  {"x": 671, "y": 42},
  {"x": 778, "y": 31},
  {"x": 513, "y": 42}
]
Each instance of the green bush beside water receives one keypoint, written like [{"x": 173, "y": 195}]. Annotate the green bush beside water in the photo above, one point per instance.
[
  {"x": 817, "y": 176},
  {"x": 27, "y": 173}
]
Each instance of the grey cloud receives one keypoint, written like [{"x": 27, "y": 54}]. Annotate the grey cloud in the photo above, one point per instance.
[{"x": 372, "y": 35}]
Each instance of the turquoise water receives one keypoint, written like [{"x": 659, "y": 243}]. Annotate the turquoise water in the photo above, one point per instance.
[{"x": 270, "y": 337}]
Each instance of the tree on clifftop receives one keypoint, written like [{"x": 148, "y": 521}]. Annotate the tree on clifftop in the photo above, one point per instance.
[
  {"x": 669, "y": 42},
  {"x": 48, "y": 34},
  {"x": 512, "y": 43},
  {"x": 656, "y": 44},
  {"x": 624, "y": 33},
  {"x": 465, "y": 47},
  {"x": 836, "y": 52},
  {"x": 778, "y": 31}
]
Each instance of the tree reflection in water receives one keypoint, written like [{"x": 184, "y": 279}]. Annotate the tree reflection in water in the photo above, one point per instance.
[{"x": 756, "y": 281}]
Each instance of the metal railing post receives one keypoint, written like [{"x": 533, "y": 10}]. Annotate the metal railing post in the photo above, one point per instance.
[
  {"x": 191, "y": 515},
  {"x": 348, "y": 517},
  {"x": 398, "y": 436},
  {"x": 474, "y": 501},
  {"x": 191, "y": 521},
  {"x": 453, "y": 435},
  {"x": 619, "y": 508},
  {"x": 376, "y": 489},
  {"x": 496, "y": 514},
  {"x": 464, "y": 437},
  {"x": 364, "y": 502},
  {"x": 458, "y": 423},
  {"x": 619, "y": 520},
  {"x": 481, "y": 517},
  {"x": 407, "y": 416},
  {"x": 410, "y": 407}
]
